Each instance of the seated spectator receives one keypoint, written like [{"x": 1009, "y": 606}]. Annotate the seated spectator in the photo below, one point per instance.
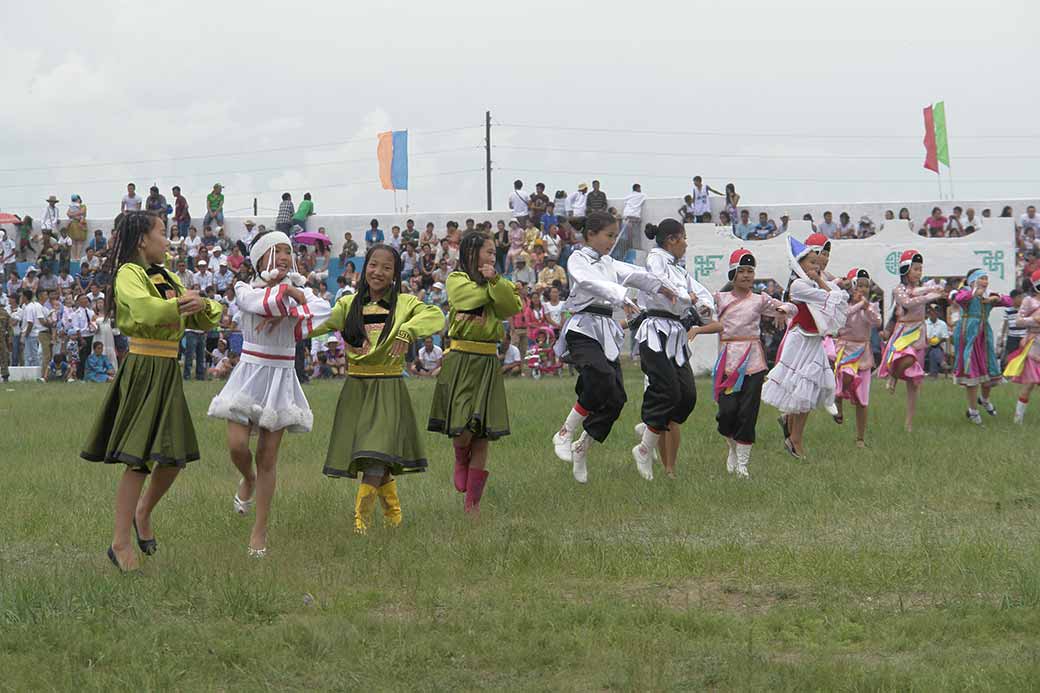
[
  {"x": 845, "y": 227},
  {"x": 99, "y": 367},
  {"x": 523, "y": 273},
  {"x": 865, "y": 228},
  {"x": 552, "y": 273},
  {"x": 744, "y": 229},
  {"x": 765, "y": 228},
  {"x": 509, "y": 357},
  {"x": 724, "y": 219},
  {"x": 98, "y": 242},
  {"x": 219, "y": 353},
  {"x": 322, "y": 369},
  {"x": 335, "y": 357},
  {"x": 57, "y": 370},
  {"x": 827, "y": 227},
  {"x": 222, "y": 370},
  {"x": 935, "y": 225},
  {"x": 428, "y": 360},
  {"x": 972, "y": 223},
  {"x": 812, "y": 224},
  {"x": 436, "y": 295}
]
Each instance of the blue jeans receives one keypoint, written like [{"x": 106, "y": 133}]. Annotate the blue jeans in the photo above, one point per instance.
[
  {"x": 935, "y": 360},
  {"x": 32, "y": 350},
  {"x": 16, "y": 352},
  {"x": 195, "y": 350},
  {"x": 182, "y": 228},
  {"x": 213, "y": 216}
]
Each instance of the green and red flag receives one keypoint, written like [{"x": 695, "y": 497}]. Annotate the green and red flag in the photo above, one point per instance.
[{"x": 936, "y": 145}]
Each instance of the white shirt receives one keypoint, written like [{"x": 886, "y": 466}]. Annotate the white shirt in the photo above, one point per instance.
[
  {"x": 50, "y": 218},
  {"x": 204, "y": 280},
  {"x": 36, "y": 314},
  {"x": 1029, "y": 223},
  {"x": 576, "y": 202},
  {"x": 701, "y": 205},
  {"x": 975, "y": 222},
  {"x": 511, "y": 356},
  {"x": 518, "y": 204},
  {"x": 634, "y": 205},
  {"x": 65, "y": 282},
  {"x": 132, "y": 204},
  {"x": 936, "y": 329},
  {"x": 77, "y": 321},
  {"x": 555, "y": 312},
  {"x": 431, "y": 359},
  {"x": 192, "y": 244},
  {"x": 7, "y": 250},
  {"x": 663, "y": 265}
]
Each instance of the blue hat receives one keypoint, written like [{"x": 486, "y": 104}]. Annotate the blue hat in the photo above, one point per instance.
[{"x": 796, "y": 251}]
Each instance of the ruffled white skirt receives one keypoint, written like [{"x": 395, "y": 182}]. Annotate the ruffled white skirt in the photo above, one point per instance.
[
  {"x": 802, "y": 379},
  {"x": 265, "y": 397}
]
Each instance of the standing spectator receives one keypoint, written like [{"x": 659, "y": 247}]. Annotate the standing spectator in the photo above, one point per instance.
[
  {"x": 350, "y": 247},
  {"x": 732, "y": 201},
  {"x": 8, "y": 255},
  {"x": 80, "y": 327},
  {"x": 827, "y": 227},
  {"x": 195, "y": 353},
  {"x": 686, "y": 211},
  {"x": 595, "y": 201},
  {"x": 701, "y": 204},
  {"x": 560, "y": 204},
  {"x": 410, "y": 233},
  {"x": 538, "y": 203},
  {"x": 519, "y": 204},
  {"x": 765, "y": 228},
  {"x": 5, "y": 341},
  {"x": 284, "y": 221},
  {"x": 501, "y": 246},
  {"x": 33, "y": 316},
  {"x": 374, "y": 234},
  {"x": 1011, "y": 336},
  {"x": 306, "y": 209},
  {"x": 181, "y": 215},
  {"x": 156, "y": 204},
  {"x": 938, "y": 333},
  {"x": 77, "y": 214},
  {"x": 131, "y": 202},
  {"x": 632, "y": 223},
  {"x": 576, "y": 204},
  {"x": 549, "y": 218},
  {"x": 214, "y": 206},
  {"x": 51, "y": 221},
  {"x": 744, "y": 230}
]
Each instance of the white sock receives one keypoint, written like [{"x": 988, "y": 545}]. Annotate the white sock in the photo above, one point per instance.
[
  {"x": 973, "y": 412},
  {"x": 650, "y": 439},
  {"x": 574, "y": 421},
  {"x": 1020, "y": 407}
]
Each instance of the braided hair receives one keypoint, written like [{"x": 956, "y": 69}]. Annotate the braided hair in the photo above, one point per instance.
[
  {"x": 129, "y": 228},
  {"x": 354, "y": 327},
  {"x": 469, "y": 254}
]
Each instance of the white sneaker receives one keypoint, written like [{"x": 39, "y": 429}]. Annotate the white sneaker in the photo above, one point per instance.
[
  {"x": 579, "y": 454},
  {"x": 831, "y": 408},
  {"x": 988, "y": 406},
  {"x": 562, "y": 444},
  {"x": 974, "y": 417},
  {"x": 731, "y": 460},
  {"x": 1020, "y": 411},
  {"x": 743, "y": 457},
  {"x": 644, "y": 461},
  {"x": 640, "y": 427}
]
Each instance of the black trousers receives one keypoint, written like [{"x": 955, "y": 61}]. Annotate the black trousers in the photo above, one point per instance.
[
  {"x": 670, "y": 393},
  {"x": 738, "y": 412},
  {"x": 600, "y": 388}
]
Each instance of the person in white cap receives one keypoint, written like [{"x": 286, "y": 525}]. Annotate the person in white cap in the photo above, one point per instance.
[
  {"x": 263, "y": 394},
  {"x": 223, "y": 278},
  {"x": 51, "y": 220}
]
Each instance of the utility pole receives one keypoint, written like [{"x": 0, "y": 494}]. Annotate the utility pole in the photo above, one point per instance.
[
  {"x": 254, "y": 207},
  {"x": 487, "y": 154}
]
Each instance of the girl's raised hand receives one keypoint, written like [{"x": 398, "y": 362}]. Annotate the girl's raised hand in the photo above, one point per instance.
[
  {"x": 488, "y": 271},
  {"x": 668, "y": 293}
]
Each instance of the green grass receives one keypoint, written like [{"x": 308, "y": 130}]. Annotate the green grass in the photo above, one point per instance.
[{"x": 909, "y": 566}]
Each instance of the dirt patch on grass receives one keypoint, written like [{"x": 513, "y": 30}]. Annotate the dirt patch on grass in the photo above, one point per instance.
[{"x": 726, "y": 595}]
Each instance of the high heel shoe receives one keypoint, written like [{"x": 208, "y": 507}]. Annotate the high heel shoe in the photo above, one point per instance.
[
  {"x": 115, "y": 561},
  {"x": 242, "y": 506},
  {"x": 147, "y": 546}
]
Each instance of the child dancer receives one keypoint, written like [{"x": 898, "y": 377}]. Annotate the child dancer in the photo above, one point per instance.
[
  {"x": 144, "y": 422},
  {"x": 374, "y": 434},
  {"x": 263, "y": 394},
  {"x": 975, "y": 361},
  {"x": 591, "y": 339},
  {"x": 664, "y": 355},
  {"x": 854, "y": 360},
  {"x": 802, "y": 380},
  {"x": 903, "y": 356},
  {"x": 1024, "y": 365},
  {"x": 741, "y": 367},
  {"x": 469, "y": 402}
]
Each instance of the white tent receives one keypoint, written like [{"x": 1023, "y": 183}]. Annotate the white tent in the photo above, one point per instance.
[{"x": 709, "y": 248}]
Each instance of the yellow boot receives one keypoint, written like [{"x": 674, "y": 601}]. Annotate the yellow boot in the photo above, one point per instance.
[
  {"x": 366, "y": 498},
  {"x": 391, "y": 503}
]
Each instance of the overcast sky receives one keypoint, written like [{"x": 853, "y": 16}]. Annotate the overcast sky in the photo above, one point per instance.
[{"x": 105, "y": 84}]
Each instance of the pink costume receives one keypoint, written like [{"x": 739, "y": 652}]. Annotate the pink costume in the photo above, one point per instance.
[
  {"x": 854, "y": 358},
  {"x": 1024, "y": 364},
  {"x": 909, "y": 335}
]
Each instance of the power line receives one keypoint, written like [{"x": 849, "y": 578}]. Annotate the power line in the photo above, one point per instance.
[
  {"x": 224, "y": 173},
  {"x": 744, "y": 156},
  {"x": 777, "y": 134},
  {"x": 227, "y": 154}
]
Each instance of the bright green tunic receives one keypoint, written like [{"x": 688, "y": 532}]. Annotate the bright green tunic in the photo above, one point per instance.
[
  {"x": 478, "y": 310},
  {"x": 413, "y": 320},
  {"x": 146, "y": 306}
]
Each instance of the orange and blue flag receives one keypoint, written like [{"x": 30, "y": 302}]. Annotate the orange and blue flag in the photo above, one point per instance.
[{"x": 392, "y": 152}]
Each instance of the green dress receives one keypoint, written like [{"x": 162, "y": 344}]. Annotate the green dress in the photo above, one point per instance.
[
  {"x": 375, "y": 422},
  {"x": 144, "y": 419},
  {"x": 470, "y": 393}
]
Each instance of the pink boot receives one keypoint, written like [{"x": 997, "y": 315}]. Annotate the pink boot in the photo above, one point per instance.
[
  {"x": 461, "y": 468},
  {"x": 475, "y": 489}
]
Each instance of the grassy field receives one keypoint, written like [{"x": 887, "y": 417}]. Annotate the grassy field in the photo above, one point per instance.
[{"x": 912, "y": 565}]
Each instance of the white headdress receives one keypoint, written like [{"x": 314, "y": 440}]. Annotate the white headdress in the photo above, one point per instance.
[{"x": 261, "y": 245}]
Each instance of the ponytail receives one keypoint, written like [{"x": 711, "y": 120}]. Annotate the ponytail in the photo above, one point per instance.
[{"x": 662, "y": 233}]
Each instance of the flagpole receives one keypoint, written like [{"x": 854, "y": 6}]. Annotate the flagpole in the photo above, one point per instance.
[
  {"x": 395, "y": 200},
  {"x": 938, "y": 178}
]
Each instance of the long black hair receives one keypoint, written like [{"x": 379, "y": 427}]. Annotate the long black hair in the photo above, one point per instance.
[
  {"x": 663, "y": 232},
  {"x": 469, "y": 254},
  {"x": 129, "y": 228},
  {"x": 354, "y": 329}
]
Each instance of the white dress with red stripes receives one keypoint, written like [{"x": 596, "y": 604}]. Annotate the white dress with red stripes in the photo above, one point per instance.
[{"x": 263, "y": 390}]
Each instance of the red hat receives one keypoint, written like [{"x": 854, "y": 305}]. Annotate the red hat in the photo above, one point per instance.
[
  {"x": 740, "y": 258},
  {"x": 908, "y": 258},
  {"x": 818, "y": 242},
  {"x": 1035, "y": 278},
  {"x": 857, "y": 273}
]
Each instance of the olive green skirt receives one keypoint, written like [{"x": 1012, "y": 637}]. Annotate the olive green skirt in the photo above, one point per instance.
[
  {"x": 374, "y": 425},
  {"x": 144, "y": 419},
  {"x": 470, "y": 396}
]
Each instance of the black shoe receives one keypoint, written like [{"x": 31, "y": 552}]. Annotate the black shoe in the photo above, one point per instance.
[
  {"x": 782, "y": 420},
  {"x": 115, "y": 561},
  {"x": 147, "y": 546}
]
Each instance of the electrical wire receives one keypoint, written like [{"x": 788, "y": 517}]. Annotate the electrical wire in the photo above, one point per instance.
[{"x": 742, "y": 155}]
